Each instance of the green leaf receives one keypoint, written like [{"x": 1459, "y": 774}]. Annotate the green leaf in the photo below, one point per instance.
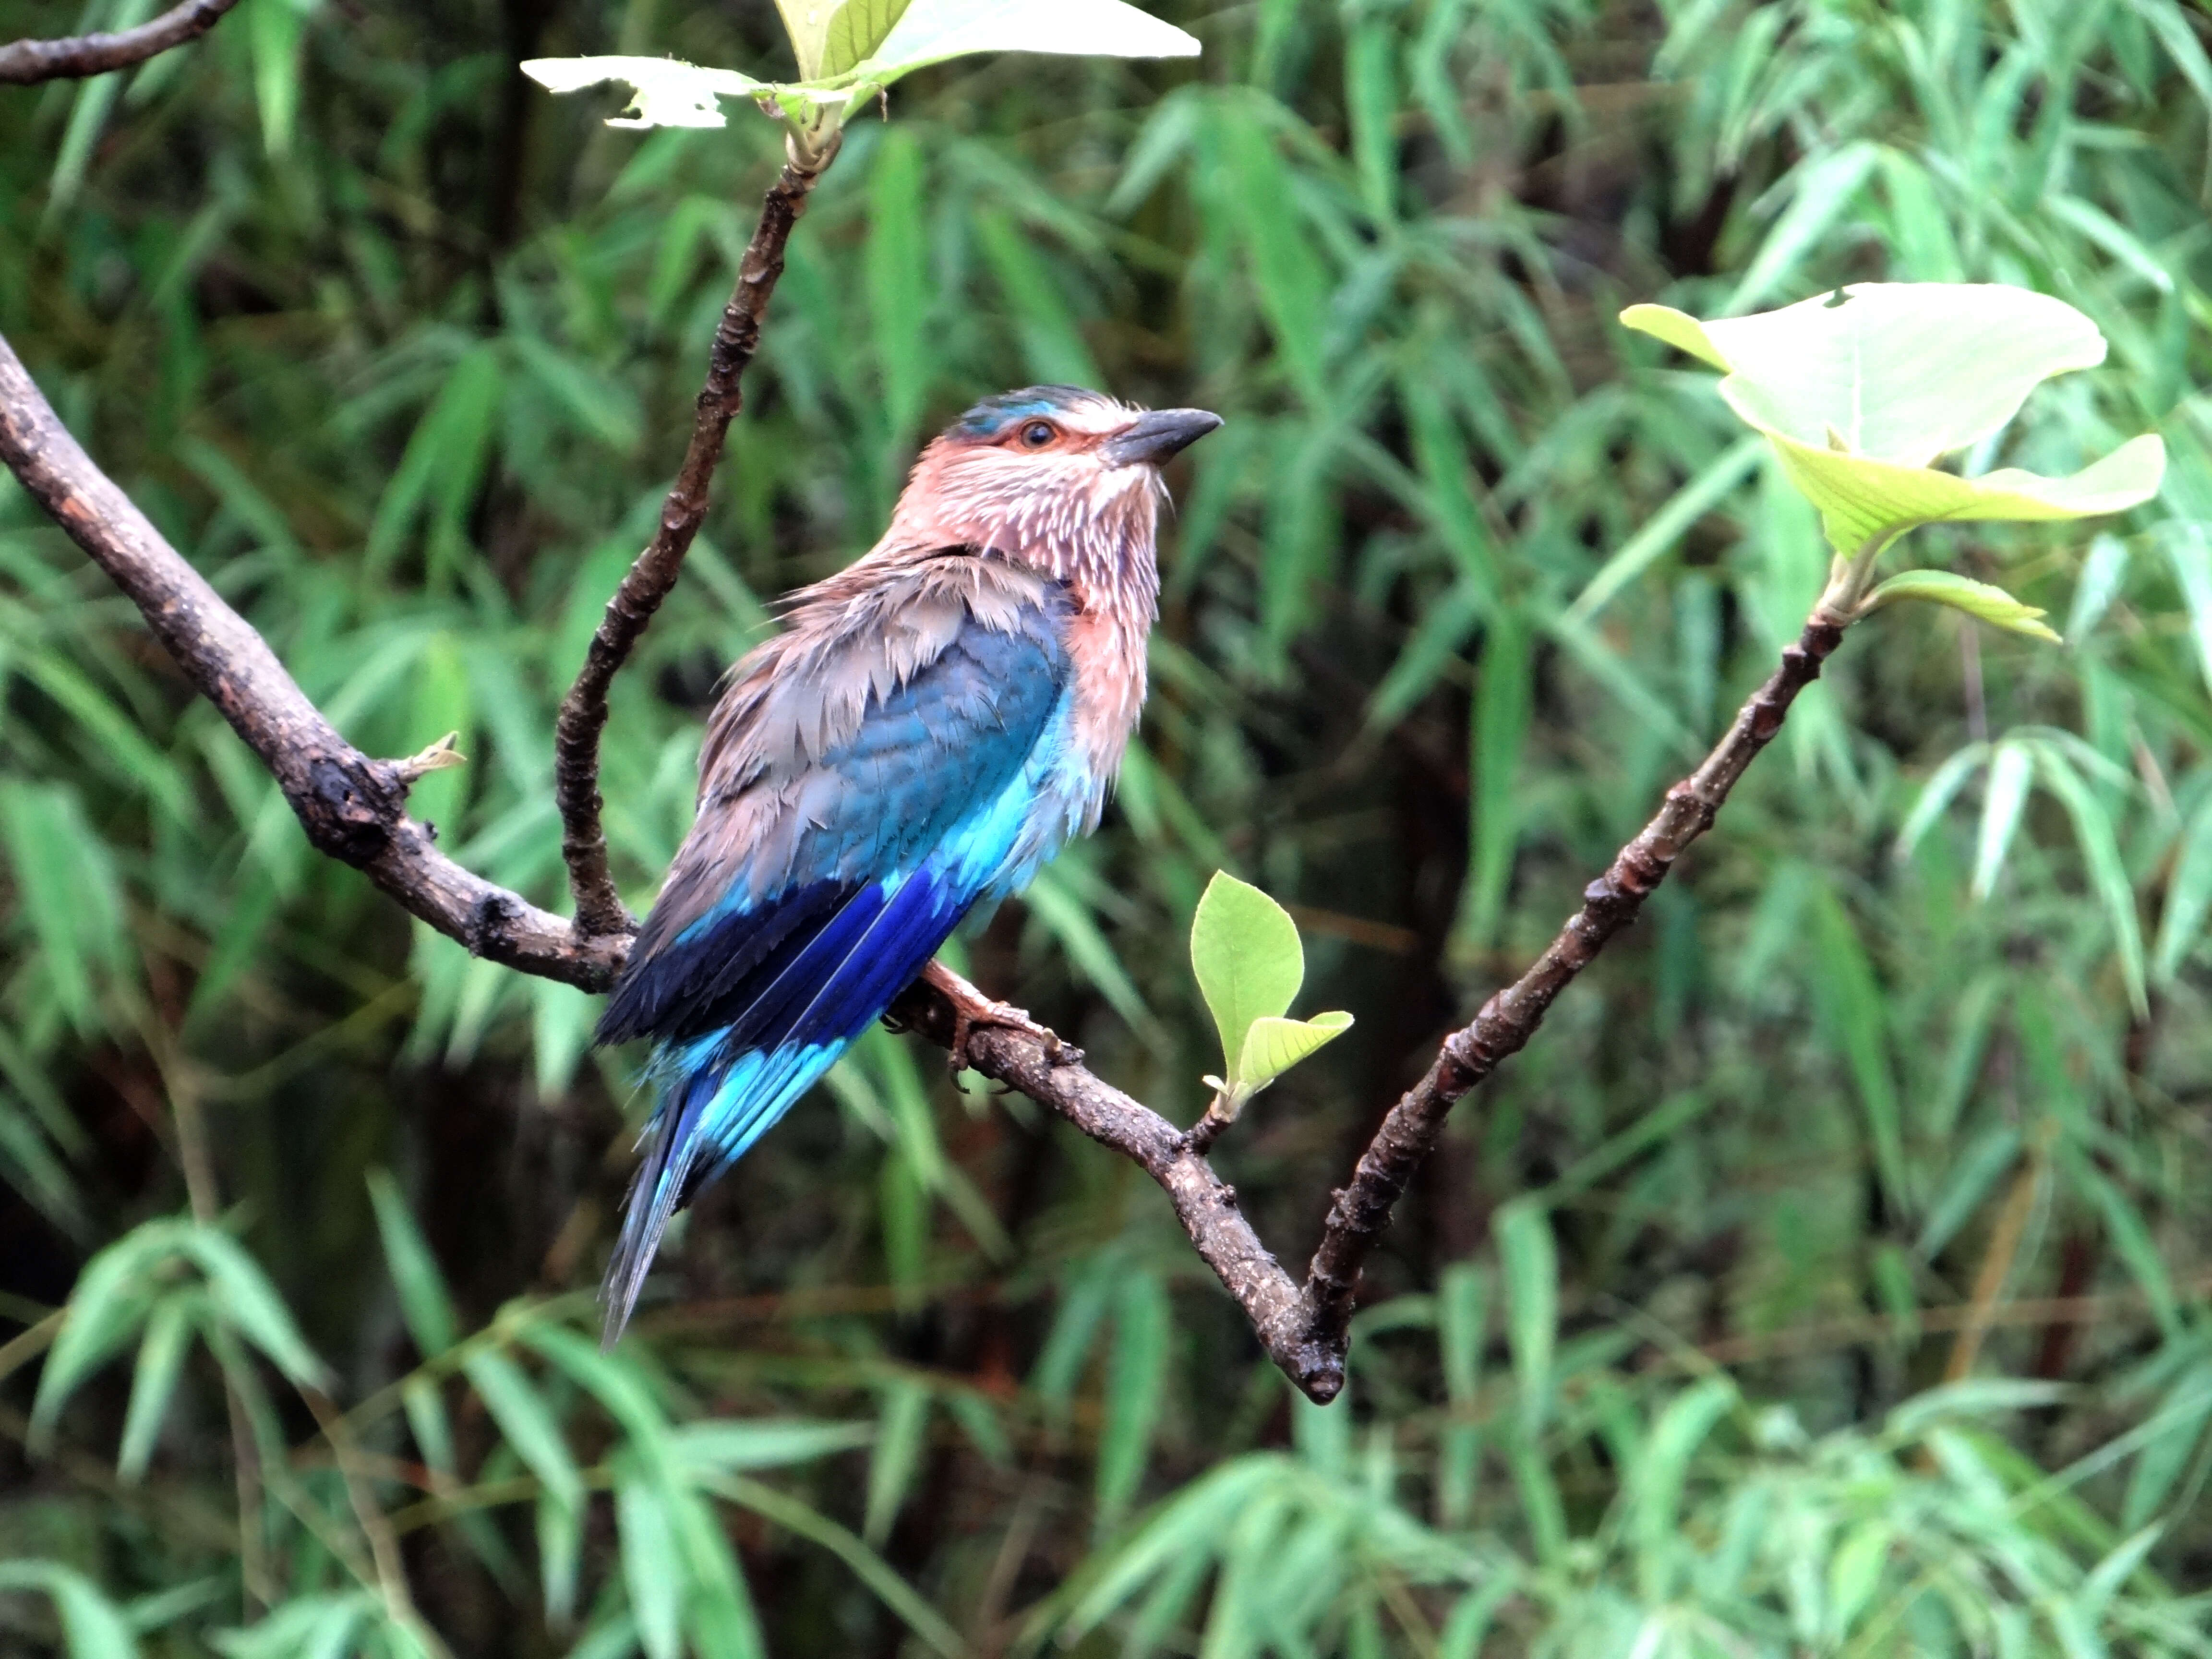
[
  {"x": 160, "y": 1360},
  {"x": 1859, "y": 391},
  {"x": 1244, "y": 948},
  {"x": 1530, "y": 1258},
  {"x": 652, "y": 1567},
  {"x": 423, "y": 1303},
  {"x": 807, "y": 23},
  {"x": 1865, "y": 503},
  {"x": 855, "y": 30},
  {"x": 2188, "y": 896},
  {"x": 245, "y": 1301},
  {"x": 1274, "y": 1045},
  {"x": 93, "y": 1627},
  {"x": 727, "y": 1446},
  {"x": 2011, "y": 770},
  {"x": 1136, "y": 1379},
  {"x": 808, "y": 1522},
  {"x": 899, "y": 1443},
  {"x": 1655, "y": 1494},
  {"x": 2108, "y": 875},
  {"x": 664, "y": 93},
  {"x": 526, "y": 1426},
  {"x": 1991, "y": 604}
]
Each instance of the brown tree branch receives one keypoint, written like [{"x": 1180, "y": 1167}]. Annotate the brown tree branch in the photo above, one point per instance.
[
  {"x": 599, "y": 912},
  {"x": 26, "y": 63},
  {"x": 353, "y": 808}
]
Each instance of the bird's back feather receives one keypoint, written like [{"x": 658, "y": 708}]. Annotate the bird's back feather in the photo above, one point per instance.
[{"x": 868, "y": 775}]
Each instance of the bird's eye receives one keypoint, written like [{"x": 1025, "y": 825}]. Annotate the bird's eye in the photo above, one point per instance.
[{"x": 1037, "y": 434}]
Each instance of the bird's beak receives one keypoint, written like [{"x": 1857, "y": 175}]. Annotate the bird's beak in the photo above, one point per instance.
[{"x": 1151, "y": 438}]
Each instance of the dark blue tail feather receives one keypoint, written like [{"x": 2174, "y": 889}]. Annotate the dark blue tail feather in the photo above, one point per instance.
[{"x": 814, "y": 990}]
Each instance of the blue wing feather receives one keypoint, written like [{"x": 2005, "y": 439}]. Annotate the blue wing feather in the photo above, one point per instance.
[{"x": 752, "y": 1001}]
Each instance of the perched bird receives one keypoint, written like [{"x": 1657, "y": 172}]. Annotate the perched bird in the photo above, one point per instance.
[{"x": 933, "y": 723}]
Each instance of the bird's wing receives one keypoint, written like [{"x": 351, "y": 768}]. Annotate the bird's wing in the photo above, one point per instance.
[{"x": 856, "y": 786}]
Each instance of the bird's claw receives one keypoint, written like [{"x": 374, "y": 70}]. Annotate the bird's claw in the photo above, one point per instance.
[{"x": 973, "y": 1011}]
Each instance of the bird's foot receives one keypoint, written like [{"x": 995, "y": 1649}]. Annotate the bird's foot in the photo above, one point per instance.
[{"x": 973, "y": 1011}]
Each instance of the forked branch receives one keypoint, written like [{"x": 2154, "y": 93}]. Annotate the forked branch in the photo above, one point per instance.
[
  {"x": 354, "y": 808},
  {"x": 583, "y": 717},
  {"x": 1307, "y": 1330},
  {"x": 26, "y": 63}
]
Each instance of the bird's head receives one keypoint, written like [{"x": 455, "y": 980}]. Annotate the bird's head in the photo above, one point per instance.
[{"x": 1052, "y": 475}]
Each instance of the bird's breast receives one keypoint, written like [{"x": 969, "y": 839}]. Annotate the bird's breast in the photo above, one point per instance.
[{"x": 1106, "y": 657}]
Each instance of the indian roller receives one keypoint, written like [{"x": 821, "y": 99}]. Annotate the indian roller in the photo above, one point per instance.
[{"x": 932, "y": 725}]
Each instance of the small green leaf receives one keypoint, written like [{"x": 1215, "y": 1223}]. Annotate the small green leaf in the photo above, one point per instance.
[
  {"x": 1244, "y": 948},
  {"x": 1991, "y": 604},
  {"x": 526, "y": 1424},
  {"x": 1530, "y": 1257},
  {"x": 1274, "y": 1045},
  {"x": 665, "y": 93},
  {"x": 244, "y": 1299},
  {"x": 1136, "y": 1379},
  {"x": 93, "y": 1627}
]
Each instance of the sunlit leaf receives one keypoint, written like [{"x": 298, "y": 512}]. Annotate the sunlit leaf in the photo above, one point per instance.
[
  {"x": 664, "y": 93},
  {"x": 2011, "y": 770},
  {"x": 1245, "y": 950},
  {"x": 1860, "y": 392},
  {"x": 1273, "y": 1045},
  {"x": 930, "y": 31}
]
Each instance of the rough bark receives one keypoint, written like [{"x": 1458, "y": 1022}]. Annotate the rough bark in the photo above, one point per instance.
[{"x": 26, "y": 63}]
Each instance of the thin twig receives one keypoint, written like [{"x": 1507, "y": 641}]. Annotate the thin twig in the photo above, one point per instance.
[
  {"x": 599, "y": 911},
  {"x": 26, "y": 63},
  {"x": 353, "y": 808}
]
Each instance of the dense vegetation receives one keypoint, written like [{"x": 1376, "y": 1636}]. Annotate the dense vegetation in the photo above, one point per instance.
[{"x": 1829, "y": 1277}]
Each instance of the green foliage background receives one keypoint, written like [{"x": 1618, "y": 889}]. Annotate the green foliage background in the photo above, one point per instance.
[{"x": 1830, "y": 1276}]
